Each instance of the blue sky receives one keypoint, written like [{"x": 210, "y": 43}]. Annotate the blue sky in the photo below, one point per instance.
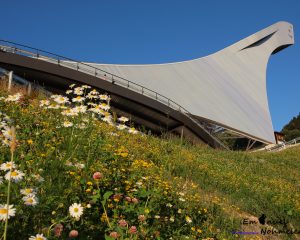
[{"x": 159, "y": 31}]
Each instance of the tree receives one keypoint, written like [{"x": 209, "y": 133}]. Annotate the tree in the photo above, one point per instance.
[{"x": 292, "y": 129}]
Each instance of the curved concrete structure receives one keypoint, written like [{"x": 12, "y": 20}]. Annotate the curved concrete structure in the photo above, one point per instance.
[
  {"x": 128, "y": 99},
  {"x": 227, "y": 88}
]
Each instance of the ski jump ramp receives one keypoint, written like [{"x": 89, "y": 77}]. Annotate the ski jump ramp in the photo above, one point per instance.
[{"x": 226, "y": 88}]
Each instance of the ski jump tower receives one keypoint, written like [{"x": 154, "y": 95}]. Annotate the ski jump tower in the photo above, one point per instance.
[{"x": 202, "y": 99}]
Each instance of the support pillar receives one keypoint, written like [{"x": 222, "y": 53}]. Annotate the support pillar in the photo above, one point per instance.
[{"x": 10, "y": 78}]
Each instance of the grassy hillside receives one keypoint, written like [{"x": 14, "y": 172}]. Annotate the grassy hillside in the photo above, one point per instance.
[{"x": 134, "y": 186}]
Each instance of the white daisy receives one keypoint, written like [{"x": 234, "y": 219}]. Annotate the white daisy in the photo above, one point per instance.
[
  {"x": 123, "y": 119},
  {"x": 92, "y": 96},
  {"x": 107, "y": 119},
  {"x": 97, "y": 109},
  {"x": 61, "y": 99},
  {"x": 79, "y": 165},
  {"x": 94, "y": 92},
  {"x": 69, "y": 91},
  {"x": 44, "y": 103},
  {"x": 28, "y": 191},
  {"x": 7, "y": 133},
  {"x": 72, "y": 85},
  {"x": 6, "y": 142},
  {"x": 91, "y": 104},
  {"x": 76, "y": 210},
  {"x": 103, "y": 97},
  {"x": 188, "y": 219},
  {"x": 13, "y": 98},
  {"x": 54, "y": 96},
  {"x": 86, "y": 120},
  {"x": 121, "y": 126},
  {"x": 38, "y": 177},
  {"x": 53, "y": 106},
  {"x": 15, "y": 175},
  {"x": 78, "y": 99},
  {"x": 67, "y": 124},
  {"x": 80, "y": 109},
  {"x": 85, "y": 86},
  {"x": 104, "y": 106},
  {"x": 133, "y": 130},
  {"x": 69, "y": 112},
  {"x": 38, "y": 237},
  {"x": 30, "y": 200},
  {"x": 3, "y": 124},
  {"x": 6, "y": 212},
  {"x": 7, "y": 165},
  {"x": 78, "y": 91}
]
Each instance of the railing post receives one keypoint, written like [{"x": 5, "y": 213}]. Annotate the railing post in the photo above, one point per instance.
[
  {"x": 77, "y": 66},
  {"x": 10, "y": 78},
  {"x": 29, "y": 89},
  {"x": 143, "y": 90}
]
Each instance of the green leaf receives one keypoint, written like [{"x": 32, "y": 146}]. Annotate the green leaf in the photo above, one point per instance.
[
  {"x": 106, "y": 196},
  {"x": 108, "y": 238},
  {"x": 144, "y": 193}
]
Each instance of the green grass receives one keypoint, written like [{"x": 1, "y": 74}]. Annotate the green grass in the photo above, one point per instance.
[{"x": 219, "y": 188}]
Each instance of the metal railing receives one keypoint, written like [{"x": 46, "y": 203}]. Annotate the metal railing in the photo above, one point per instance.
[
  {"x": 23, "y": 82},
  {"x": 8, "y": 46},
  {"x": 284, "y": 145}
]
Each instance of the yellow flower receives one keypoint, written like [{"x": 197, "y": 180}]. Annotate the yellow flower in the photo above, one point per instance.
[
  {"x": 29, "y": 141},
  {"x": 103, "y": 218},
  {"x": 88, "y": 190},
  {"x": 89, "y": 183},
  {"x": 72, "y": 173},
  {"x": 147, "y": 210},
  {"x": 124, "y": 154}
]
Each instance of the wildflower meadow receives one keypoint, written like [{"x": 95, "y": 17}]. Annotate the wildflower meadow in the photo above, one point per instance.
[{"x": 72, "y": 169}]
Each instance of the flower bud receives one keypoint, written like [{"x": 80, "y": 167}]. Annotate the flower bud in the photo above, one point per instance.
[
  {"x": 97, "y": 176},
  {"x": 73, "y": 234},
  {"x": 133, "y": 230}
]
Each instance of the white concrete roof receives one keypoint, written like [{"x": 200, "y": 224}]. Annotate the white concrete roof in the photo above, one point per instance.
[{"x": 227, "y": 87}]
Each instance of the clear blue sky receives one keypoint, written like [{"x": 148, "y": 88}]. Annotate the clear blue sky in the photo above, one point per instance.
[{"x": 158, "y": 31}]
